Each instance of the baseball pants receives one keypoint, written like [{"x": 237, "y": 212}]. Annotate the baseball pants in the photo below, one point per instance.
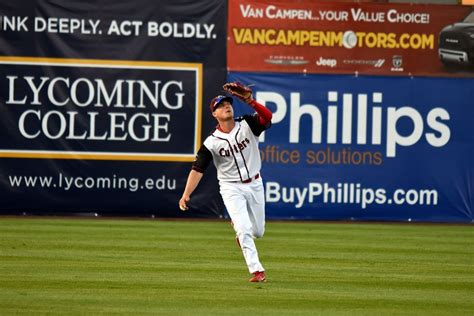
[{"x": 245, "y": 203}]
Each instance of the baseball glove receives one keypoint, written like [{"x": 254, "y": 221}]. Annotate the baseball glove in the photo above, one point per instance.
[{"x": 239, "y": 90}]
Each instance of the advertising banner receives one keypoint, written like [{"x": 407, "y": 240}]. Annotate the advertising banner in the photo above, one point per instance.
[
  {"x": 366, "y": 148},
  {"x": 102, "y": 107},
  {"x": 350, "y": 38}
]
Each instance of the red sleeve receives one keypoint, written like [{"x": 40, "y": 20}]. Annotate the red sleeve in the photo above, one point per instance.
[{"x": 264, "y": 114}]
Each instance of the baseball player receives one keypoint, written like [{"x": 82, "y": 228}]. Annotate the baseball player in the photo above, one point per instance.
[{"x": 233, "y": 147}]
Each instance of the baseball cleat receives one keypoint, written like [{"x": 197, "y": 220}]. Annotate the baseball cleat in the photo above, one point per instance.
[{"x": 258, "y": 276}]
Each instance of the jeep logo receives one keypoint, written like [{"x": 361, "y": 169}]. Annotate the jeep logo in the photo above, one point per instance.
[{"x": 326, "y": 62}]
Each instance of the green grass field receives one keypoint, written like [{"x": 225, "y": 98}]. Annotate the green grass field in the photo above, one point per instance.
[{"x": 136, "y": 267}]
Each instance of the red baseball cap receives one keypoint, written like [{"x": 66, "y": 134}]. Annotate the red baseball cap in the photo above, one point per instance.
[{"x": 217, "y": 100}]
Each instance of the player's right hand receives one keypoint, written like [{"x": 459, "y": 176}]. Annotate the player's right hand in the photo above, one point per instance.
[{"x": 183, "y": 203}]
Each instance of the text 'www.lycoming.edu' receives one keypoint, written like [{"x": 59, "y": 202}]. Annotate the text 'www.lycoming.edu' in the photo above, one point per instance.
[
  {"x": 347, "y": 193},
  {"x": 113, "y": 182}
]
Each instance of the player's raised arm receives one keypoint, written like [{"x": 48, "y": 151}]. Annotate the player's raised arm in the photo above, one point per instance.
[
  {"x": 264, "y": 114},
  {"x": 244, "y": 93}
]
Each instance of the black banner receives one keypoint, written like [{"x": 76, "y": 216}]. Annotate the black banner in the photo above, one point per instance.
[{"x": 104, "y": 104}]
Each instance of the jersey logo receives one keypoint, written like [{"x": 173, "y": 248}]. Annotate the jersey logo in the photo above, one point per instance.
[{"x": 226, "y": 152}]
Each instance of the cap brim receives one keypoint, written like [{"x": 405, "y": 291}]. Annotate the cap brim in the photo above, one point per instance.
[{"x": 226, "y": 98}]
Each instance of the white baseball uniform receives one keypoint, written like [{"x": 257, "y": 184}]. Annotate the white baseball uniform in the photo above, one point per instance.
[{"x": 237, "y": 160}]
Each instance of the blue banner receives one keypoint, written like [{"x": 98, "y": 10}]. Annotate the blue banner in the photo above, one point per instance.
[{"x": 366, "y": 148}]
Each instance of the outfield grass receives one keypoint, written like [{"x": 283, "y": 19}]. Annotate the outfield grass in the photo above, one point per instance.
[{"x": 136, "y": 267}]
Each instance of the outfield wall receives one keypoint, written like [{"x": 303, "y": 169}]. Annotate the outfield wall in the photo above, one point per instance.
[{"x": 103, "y": 109}]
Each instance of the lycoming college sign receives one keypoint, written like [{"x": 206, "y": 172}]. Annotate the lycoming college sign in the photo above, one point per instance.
[{"x": 104, "y": 109}]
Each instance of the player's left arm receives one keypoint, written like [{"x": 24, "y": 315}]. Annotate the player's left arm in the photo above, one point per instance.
[
  {"x": 261, "y": 120},
  {"x": 264, "y": 114}
]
